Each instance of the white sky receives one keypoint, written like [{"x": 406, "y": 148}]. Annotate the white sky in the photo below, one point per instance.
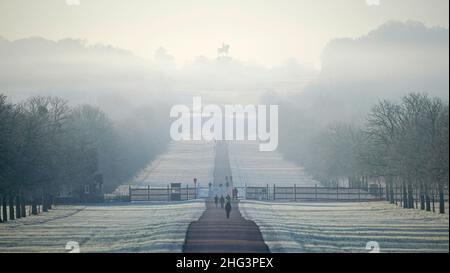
[{"x": 263, "y": 31}]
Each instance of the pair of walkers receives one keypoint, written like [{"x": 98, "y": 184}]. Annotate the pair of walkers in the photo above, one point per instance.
[{"x": 224, "y": 202}]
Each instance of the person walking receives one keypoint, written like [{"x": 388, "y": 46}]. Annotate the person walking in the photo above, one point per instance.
[
  {"x": 228, "y": 198},
  {"x": 228, "y": 209},
  {"x": 222, "y": 201},
  {"x": 216, "y": 200},
  {"x": 235, "y": 193}
]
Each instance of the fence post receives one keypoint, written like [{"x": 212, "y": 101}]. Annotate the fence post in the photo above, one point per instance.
[
  {"x": 295, "y": 193},
  {"x": 187, "y": 191},
  {"x": 274, "y": 197},
  {"x": 148, "y": 193},
  {"x": 380, "y": 190},
  {"x": 359, "y": 194},
  {"x": 337, "y": 191},
  {"x": 315, "y": 192},
  {"x": 129, "y": 193},
  {"x": 267, "y": 192},
  {"x": 168, "y": 193}
]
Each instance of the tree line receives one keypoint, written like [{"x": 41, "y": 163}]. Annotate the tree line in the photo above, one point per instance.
[
  {"x": 403, "y": 145},
  {"x": 46, "y": 144}
]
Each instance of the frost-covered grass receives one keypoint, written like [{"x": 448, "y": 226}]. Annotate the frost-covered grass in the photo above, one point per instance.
[
  {"x": 347, "y": 227},
  {"x": 157, "y": 227},
  {"x": 254, "y": 168},
  {"x": 183, "y": 161}
]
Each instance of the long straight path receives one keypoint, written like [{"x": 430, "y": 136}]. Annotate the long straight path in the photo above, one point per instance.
[{"x": 213, "y": 232}]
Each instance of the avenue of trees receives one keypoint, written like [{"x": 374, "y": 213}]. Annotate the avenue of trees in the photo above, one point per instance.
[
  {"x": 45, "y": 144},
  {"x": 402, "y": 145}
]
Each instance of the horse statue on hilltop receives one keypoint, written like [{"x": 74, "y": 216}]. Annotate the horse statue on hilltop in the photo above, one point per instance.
[{"x": 221, "y": 51}]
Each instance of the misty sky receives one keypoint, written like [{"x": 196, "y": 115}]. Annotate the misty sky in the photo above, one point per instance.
[{"x": 263, "y": 31}]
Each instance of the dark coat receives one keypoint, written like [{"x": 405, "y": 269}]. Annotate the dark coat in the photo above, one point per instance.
[{"x": 228, "y": 206}]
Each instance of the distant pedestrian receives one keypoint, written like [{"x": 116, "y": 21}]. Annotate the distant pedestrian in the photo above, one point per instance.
[
  {"x": 216, "y": 200},
  {"x": 222, "y": 201},
  {"x": 235, "y": 193},
  {"x": 228, "y": 198},
  {"x": 228, "y": 209}
]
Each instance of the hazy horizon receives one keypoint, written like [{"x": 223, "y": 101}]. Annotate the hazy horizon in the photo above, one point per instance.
[
  {"x": 266, "y": 33},
  {"x": 343, "y": 54}
]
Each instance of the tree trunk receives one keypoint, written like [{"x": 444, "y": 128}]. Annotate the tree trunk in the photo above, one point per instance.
[
  {"x": 387, "y": 192},
  {"x": 4, "y": 208},
  {"x": 422, "y": 196},
  {"x": 410, "y": 196},
  {"x": 433, "y": 200},
  {"x": 18, "y": 213},
  {"x": 405, "y": 196},
  {"x": 392, "y": 194},
  {"x": 395, "y": 194},
  {"x": 391, "y": 191},
  {"x": 50, "y": 201},
  {"x": 427, "y": 198},
  {"x": 416, "y": 197},
  {"x": 1, "y": 217},
  {"x": 34, "y": 210},
  {"x": 11, "y": 206},
  {"x": 441, "y": 199},
  {"x": 401, "y": 195},
  {"x": 23, "y": 208},
  {"x": 45, "y": 201}
]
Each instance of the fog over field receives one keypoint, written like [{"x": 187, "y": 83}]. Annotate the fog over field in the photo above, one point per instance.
[
  {"x": 251, "y": 167},
  {"x": 180, "y": 164},
  {"x": 319, "y": 72},
  {"x": 354, "y": 73},
  {"x": 99, "y": 98}
]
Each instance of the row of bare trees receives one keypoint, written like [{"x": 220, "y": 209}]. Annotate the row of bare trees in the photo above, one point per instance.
[
  {"x": 45, "y": 144},
  {"x": 403, "y": 145},
  {"x": 408, "y": 146}
]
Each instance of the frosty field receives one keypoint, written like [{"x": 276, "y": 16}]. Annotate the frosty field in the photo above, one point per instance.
[
  {"x": 183, "y": 161},
  {"x": 115, "y": 228},
  {"x": 347, "y": 227},
  {"x": 254, "y": 168},
  {"x": 285, "y": 227}
]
